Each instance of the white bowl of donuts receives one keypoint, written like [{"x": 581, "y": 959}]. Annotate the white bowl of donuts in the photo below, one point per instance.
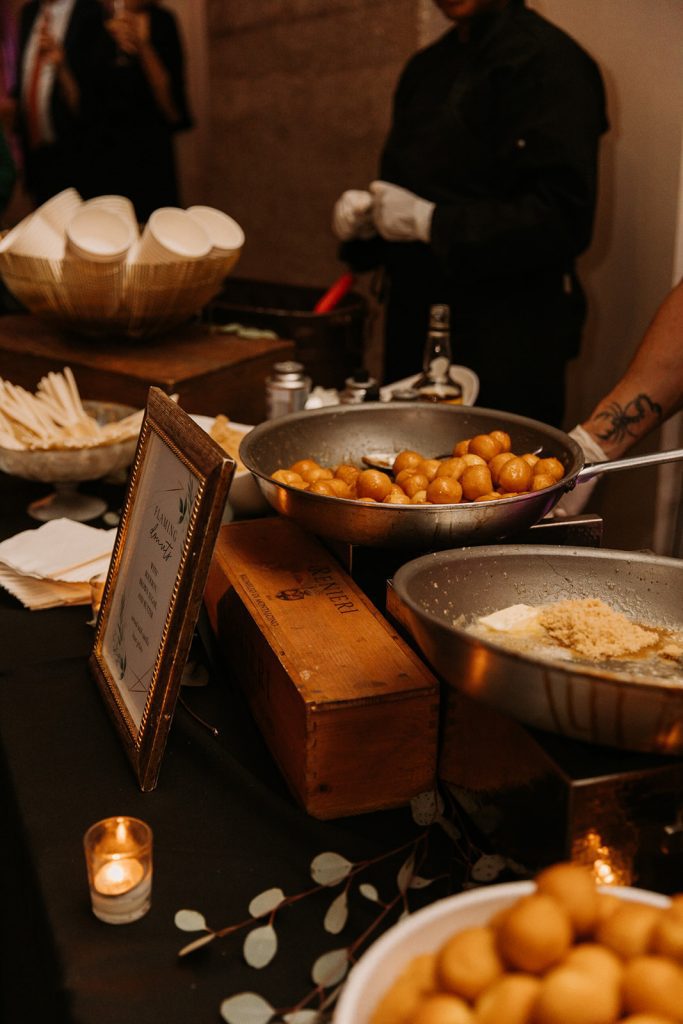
[{"x": 556, "y": 950}]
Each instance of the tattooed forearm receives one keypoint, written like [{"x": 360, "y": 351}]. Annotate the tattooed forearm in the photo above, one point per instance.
[{"x": 618, "y": 422}]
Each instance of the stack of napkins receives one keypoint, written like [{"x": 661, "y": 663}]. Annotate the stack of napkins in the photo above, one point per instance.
[{"x": 53, "y": 564}]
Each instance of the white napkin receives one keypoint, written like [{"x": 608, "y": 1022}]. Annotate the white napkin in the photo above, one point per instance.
[{"x": 52, "y": 564}]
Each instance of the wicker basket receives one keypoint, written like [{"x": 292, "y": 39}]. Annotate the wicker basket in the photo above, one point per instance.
[{"x": 113, "y": 300}]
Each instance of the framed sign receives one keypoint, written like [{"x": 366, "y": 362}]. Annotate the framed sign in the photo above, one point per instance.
[{"x": 177, "y": 490}]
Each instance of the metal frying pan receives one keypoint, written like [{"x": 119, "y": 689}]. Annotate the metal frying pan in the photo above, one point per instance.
[
  {"x": 344, "y": 433},
  {"x": 641, "y": 709}
]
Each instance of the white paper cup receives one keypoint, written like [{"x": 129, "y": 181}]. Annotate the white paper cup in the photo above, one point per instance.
[
  {"x": 58, "y": 210},
  {"x": 171, "y": 235},
  {"x": 225, "y": 233},
  {"x": 120, "y": 205},
  {"x": 99, "y": 235},
  {"x": 33, "y": 236}
]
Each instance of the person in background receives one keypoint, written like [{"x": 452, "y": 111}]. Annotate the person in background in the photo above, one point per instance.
[
  {"x": 486, "y": 197},
  {"x": 649, "y": 392},
  {"x": 54, "y": 83},
  {"x": 8, "y": 173},
  {"x": 143, "y": 104}
]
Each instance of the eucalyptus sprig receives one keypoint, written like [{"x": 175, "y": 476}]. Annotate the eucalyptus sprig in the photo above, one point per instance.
[{"x": 331, "y": 870}]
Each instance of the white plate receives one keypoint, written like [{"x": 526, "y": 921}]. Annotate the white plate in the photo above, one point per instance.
[{"x": 462, "y": 375}]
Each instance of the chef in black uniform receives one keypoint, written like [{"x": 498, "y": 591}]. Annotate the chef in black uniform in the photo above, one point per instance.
[{"x": 486, "y": 197}]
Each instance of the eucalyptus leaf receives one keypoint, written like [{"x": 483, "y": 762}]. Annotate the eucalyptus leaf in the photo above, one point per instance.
[
  {"x": 418, "y": 882},
  {"x": 190, "y": 921},
  {"x": 246, "y": 1008},
  {"x": 330, "y": 968},
  {"x": 203, "y": 940},
  {"x": 265, "y": 902},
  {"x": 260, "y": 946},
  {"x": 488, "y": 867},
  {"x": 302, "y": 1017},
  {"x": 426, "y": 807},
  {"x": 405, "y": 873},
  {"x": 330, "y": 868},
  {"x": 369, "y": 891},
  {"x": 337, "y": 914}
]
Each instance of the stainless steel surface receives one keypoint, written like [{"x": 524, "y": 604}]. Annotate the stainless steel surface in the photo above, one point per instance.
[
  {"x": 344, "y": 433},
  {"x": 598, "y": 705},
  {"x": 635, "y": 462}
]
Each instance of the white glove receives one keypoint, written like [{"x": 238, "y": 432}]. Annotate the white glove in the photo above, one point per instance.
[
  {"x": 574, "y": 502},
  {"x": 400, "y": 215},
  {"x": 352, "y": 215}
]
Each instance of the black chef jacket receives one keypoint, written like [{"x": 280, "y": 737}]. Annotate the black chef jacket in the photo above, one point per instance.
[{"x": 502, "y": 134}]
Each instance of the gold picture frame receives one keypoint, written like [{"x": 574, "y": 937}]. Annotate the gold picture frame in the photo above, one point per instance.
[{"x": 177, "y": 490}]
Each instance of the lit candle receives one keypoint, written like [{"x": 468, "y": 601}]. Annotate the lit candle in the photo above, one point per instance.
[
  {"x": 118, "y": 855},
  {"x": 118, "y": 876}
]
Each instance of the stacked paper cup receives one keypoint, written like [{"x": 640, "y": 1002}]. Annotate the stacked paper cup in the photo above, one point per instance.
[{"x": 79, "y": 261}]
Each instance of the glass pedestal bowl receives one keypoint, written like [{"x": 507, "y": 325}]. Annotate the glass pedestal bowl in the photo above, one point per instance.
[{"x": 66, "y": 468}]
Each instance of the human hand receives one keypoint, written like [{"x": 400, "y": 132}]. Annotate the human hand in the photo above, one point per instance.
[
  {"x": 129, "y": 30},
  {"x": 400, "y": 215},
  {"x": 574, "y": 502},
  {"x": 352, "y": 215}
]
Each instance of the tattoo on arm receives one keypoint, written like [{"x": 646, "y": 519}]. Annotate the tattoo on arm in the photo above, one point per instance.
[{"x": 621, "y": 421}]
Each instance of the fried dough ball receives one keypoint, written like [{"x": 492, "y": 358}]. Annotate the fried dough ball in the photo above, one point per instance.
[
  {"x": 573, "y": 886},
  {"x": 403, "y": 475},
  {"x": 607, "y": 904},
  {"x": 595, "y": 959},
  {"x": 653, "y": 984},
  {"x": 535, "y": 934},
  {"x": 492, "y": 496},
  {"x": 303, "y": 466},
  {"x": 509, "y": 1000},
  {"x": 349, "y": 474},
  {"x": 667, "y": 935},
  {"x": 647, "y": 1018},
  {"x": 416, "y": 482},
  {"x": 497, "y": 463},
  {"x": 316, "y": 473},
  {"x": 484, "y": 445},
  {"x": 444, "y": 490},
  {"x": 515, "y": 475},
  {"x": 407, "y": 459},
  {"x": 443, "y": 1009},
  {"x": 571, "y": 996},
  {"x": 323, "y": 487},
  {"x": 461, "y": 448},
  {"x": 475, "y": 481},
  {"x": 397, "y": 497},
  {"x": 502, "y": 438},
  {"x": 470, "y": 459},
  {"x": 629, "y": 929},
  {"x": 339, "y": 487},
  {"x": 469, "y": 962},
  {"x": 531, "y": 458},
  {"x": 399, "y": 1004},
  {"x": 550, "y": 467},
  {"x": 288, "y": 476},
  {"x": 429, "y": 468},
  {"x": 419, "y": 498},
  {"x": 454, "y": 467},
  {"x": 541, "y": 480},
  {"x": 372, "y": 483}
]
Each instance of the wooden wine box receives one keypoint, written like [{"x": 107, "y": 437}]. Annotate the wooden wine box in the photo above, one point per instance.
[{"x": 348, "y": 710}]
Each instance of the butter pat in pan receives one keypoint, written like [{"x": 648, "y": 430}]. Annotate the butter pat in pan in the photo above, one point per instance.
[{"x": 516, "y": 618}]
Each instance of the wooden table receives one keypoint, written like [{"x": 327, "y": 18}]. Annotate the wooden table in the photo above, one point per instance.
[{"x": 211, "y": 372}]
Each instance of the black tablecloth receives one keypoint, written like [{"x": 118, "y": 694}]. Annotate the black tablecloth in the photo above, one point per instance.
[{"x": 225, "y": 828}]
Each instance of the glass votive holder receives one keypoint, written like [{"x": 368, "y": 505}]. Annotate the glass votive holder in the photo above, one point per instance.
[{"x": 118, "y": 856}]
